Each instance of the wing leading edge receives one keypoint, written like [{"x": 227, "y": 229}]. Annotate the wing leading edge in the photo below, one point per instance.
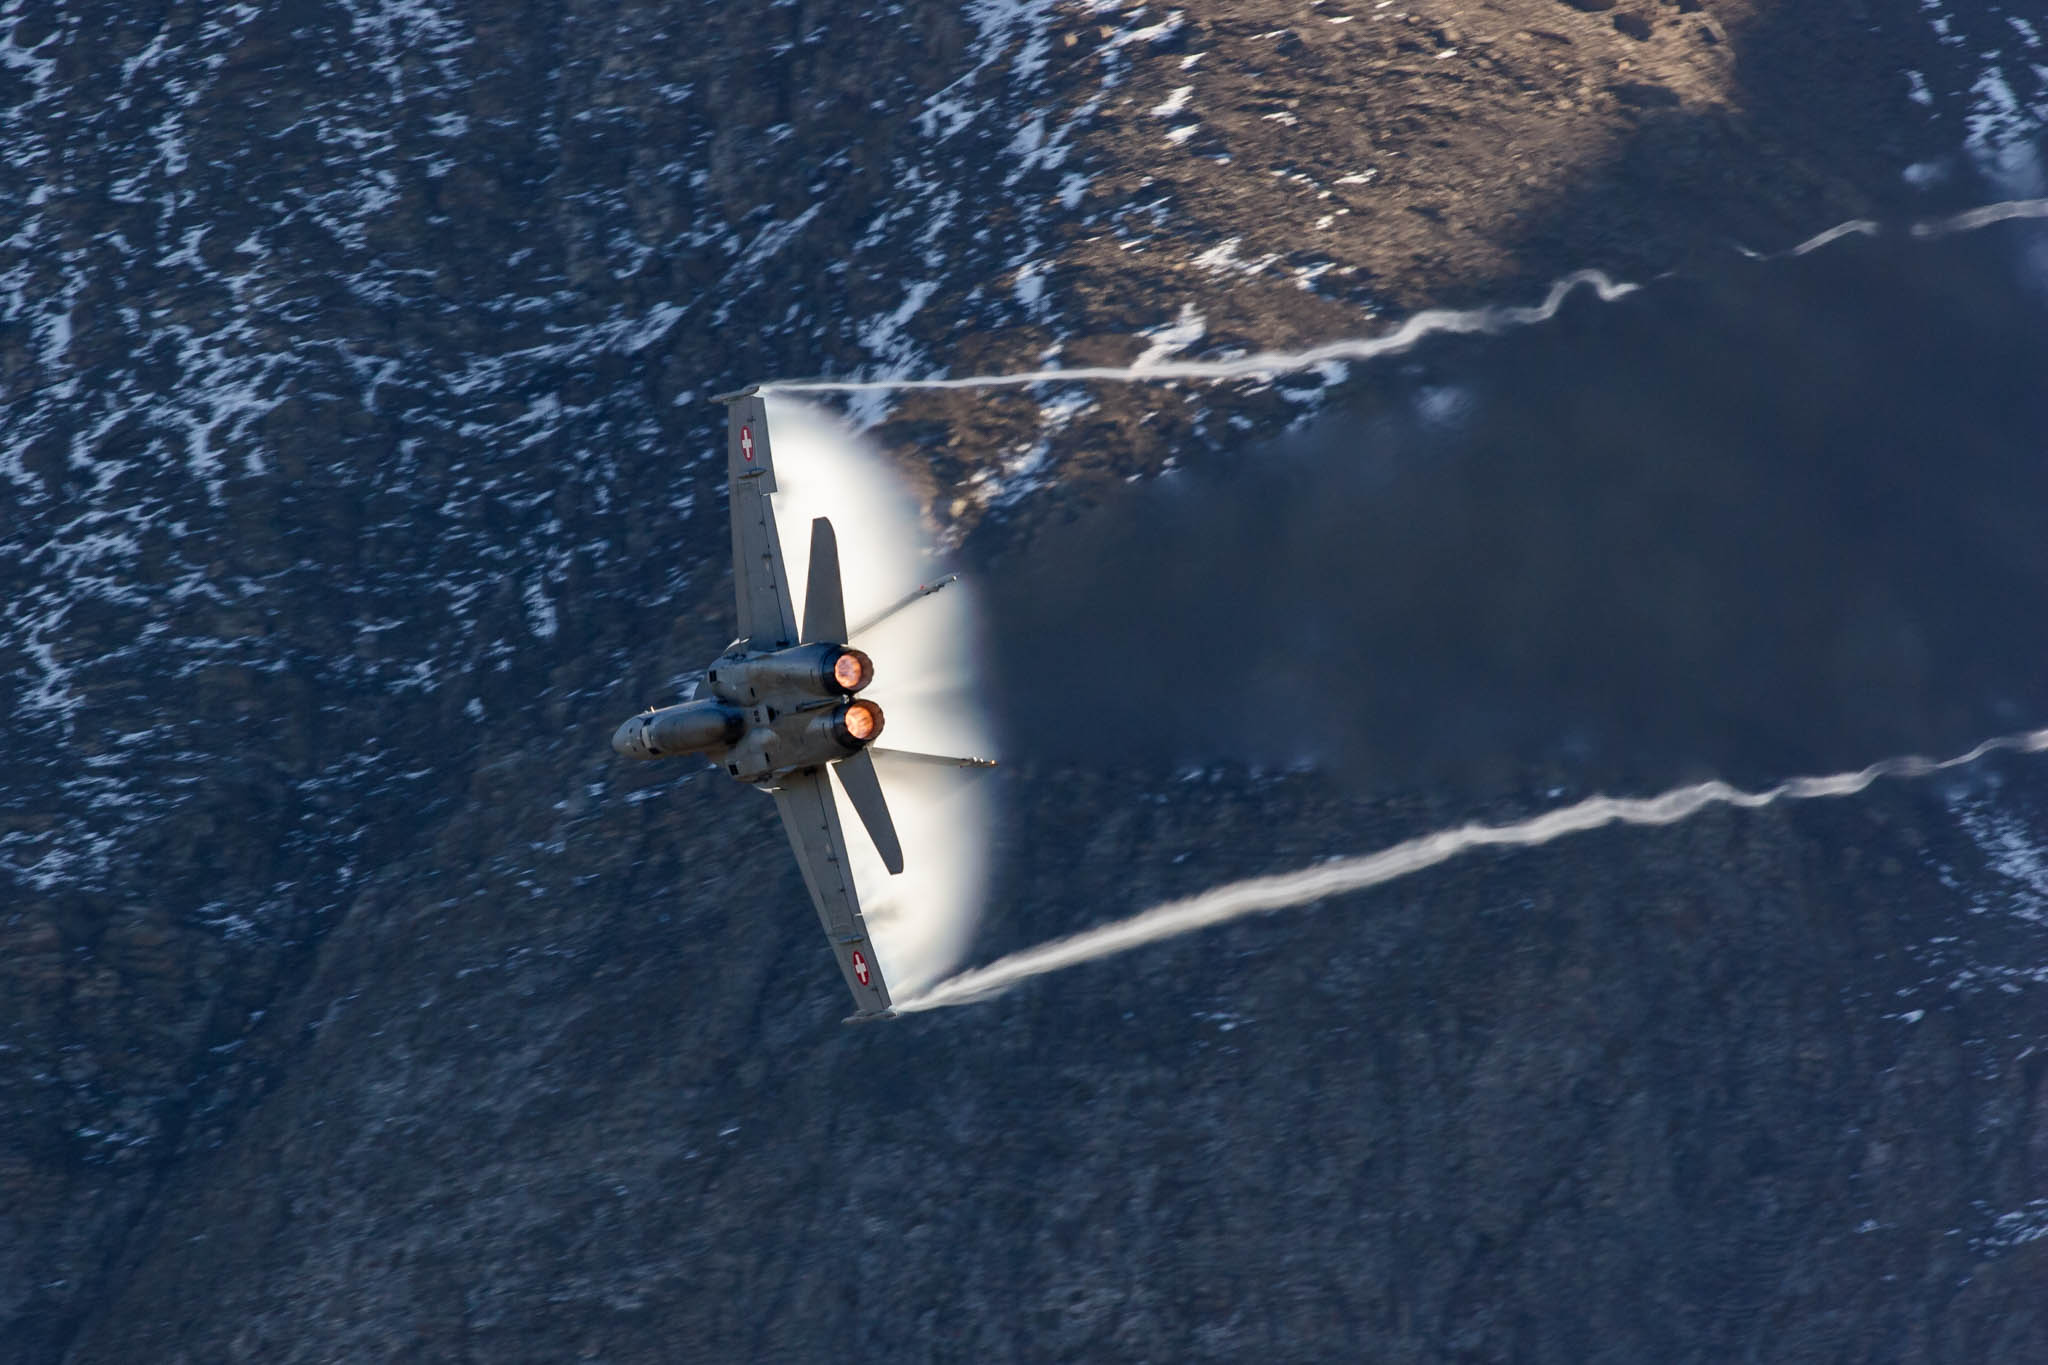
[{"x": 812, "y": 818}]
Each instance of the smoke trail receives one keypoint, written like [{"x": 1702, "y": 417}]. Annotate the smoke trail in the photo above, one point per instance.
[
  {"x": 1262, "y": 895},
  {"x": 1430, "y": 322}
]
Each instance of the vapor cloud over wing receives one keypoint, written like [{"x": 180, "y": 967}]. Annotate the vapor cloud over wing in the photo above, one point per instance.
[{"x": 925, "y": 681}]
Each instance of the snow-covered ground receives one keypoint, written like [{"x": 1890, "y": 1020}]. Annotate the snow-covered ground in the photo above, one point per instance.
[
  {"x": 2003, "y": 50},
  {"x": 242, "y": 282}
]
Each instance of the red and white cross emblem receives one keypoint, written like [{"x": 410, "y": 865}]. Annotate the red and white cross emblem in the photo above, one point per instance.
[
  {"x": 860, "y": 967},
  {"x": 747, "y": 443}
]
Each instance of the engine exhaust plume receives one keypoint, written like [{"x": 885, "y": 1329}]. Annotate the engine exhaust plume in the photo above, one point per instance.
[
  {"x": 1759, "y": 521},
  {"x": 1263, "y": 895},
  {"x": 925, "y": 680}
]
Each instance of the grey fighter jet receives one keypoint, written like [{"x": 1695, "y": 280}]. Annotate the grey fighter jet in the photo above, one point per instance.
[{"x": 784, "y": 704}]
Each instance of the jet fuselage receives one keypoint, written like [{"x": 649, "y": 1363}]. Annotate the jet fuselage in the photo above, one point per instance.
[{"x": 770, "y": 713}]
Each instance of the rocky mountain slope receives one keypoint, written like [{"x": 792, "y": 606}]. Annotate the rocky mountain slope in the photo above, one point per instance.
[{"x": 358, "y": 476}]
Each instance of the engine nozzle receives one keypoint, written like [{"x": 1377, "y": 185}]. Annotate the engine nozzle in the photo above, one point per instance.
[
  {"x": 856, "y": 724},
  {"x": 814, "y": 670},
  {"x": 852, "y": 670}
]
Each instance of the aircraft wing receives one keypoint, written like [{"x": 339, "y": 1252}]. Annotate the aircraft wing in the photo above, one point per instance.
[
  {"x": 767, "y": 615},
  {"x": 808, "y": 813}
]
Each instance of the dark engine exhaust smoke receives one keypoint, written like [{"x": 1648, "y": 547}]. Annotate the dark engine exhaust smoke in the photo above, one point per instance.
[{"x": 1772, "y": 520}]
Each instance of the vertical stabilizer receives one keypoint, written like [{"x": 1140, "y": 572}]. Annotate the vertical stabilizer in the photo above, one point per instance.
[{"x": 824, "y": 604}]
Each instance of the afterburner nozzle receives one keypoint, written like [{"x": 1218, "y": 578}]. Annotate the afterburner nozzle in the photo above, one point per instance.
[
  {"x": 852, "y": 670},
  {"x": 853, "y": 724}
]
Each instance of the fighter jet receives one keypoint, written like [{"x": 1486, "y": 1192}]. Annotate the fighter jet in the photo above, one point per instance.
[{"x": 785, "y": 704}]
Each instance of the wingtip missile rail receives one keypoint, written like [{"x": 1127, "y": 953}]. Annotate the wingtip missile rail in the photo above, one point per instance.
[
  {"x": 949, "y": 760},
  {"x": 916, "y": 595}
]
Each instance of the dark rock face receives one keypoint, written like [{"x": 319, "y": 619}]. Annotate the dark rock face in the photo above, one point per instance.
[{"x": 357, "y": 479}]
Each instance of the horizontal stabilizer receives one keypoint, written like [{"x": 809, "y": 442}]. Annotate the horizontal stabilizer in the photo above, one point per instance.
[{"x": 864, "y": 790}]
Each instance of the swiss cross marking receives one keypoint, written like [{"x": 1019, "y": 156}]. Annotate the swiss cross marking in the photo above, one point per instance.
[
  {"x": 747, "y": 443},
  {"x": 860, "y": 967}
]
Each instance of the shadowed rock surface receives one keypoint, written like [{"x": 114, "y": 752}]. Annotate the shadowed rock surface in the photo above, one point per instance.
[{"x": 358, "y": 1004}]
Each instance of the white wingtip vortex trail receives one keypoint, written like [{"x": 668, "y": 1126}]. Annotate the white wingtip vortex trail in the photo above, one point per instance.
[
  {"x": 1280, "y": 891},
  {"x": 1430, "y": 322},
  {"x": 1262, "y": 364}
]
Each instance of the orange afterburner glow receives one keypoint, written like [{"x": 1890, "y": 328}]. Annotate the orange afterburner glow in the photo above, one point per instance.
[
  {"x": 852, "y": 671},
  {"x": 863, "y": 720}
]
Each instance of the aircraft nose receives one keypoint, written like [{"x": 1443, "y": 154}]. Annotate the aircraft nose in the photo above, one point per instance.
[{"x": 626, "y": 739}]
